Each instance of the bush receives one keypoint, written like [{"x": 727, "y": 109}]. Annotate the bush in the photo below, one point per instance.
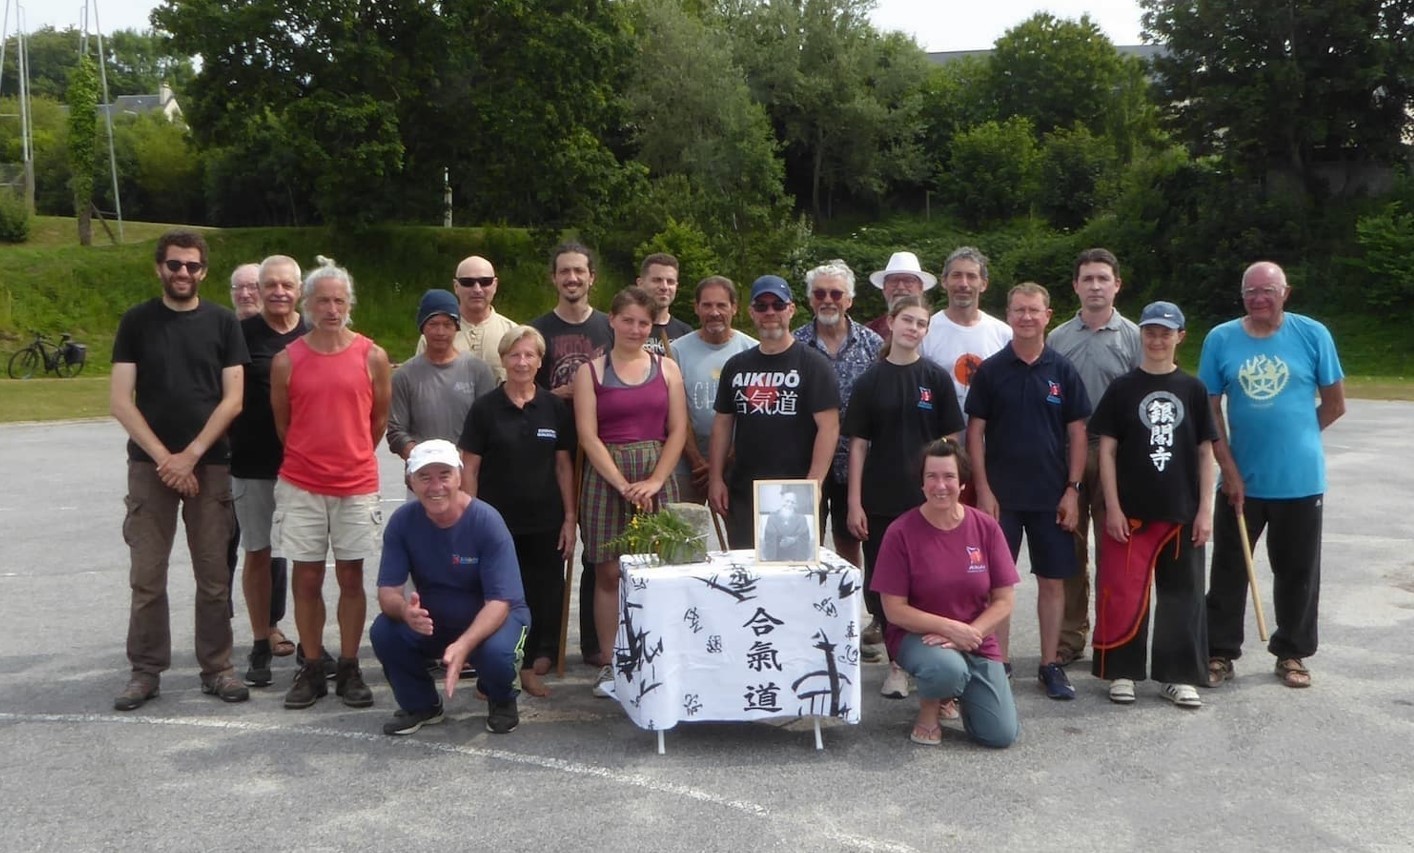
[
  {"x": 1387, "y": 241},
  {"x": 14, "y": 218}
]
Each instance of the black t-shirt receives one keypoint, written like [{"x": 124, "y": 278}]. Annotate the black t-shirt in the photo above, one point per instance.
[
  {"x": 179, "y": 357},
  {"x": 899, "y": 409},
  {"x": 256, "y": 451},
  {"x": 568, "y": 345},
  {"x": 1159, "y": 420},
  {"x": 517, "y": 447},
  {"x": 669, "y": 331},
  {"x": 774, "y": 399}
]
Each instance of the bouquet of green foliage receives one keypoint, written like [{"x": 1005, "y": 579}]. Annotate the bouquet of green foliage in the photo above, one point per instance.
[{"x": 664, "y": 534}]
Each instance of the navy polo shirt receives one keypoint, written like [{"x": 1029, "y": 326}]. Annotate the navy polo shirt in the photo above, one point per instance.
[
  {"x": 1027, "y": 407},
  {"x": 517, "y": 447}
]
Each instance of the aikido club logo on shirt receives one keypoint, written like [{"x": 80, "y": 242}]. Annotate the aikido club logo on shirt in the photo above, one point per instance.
[
  {"x": 1053, "y": 391},
  {"x": 1263, "y": 377},
  {"x": 1161, "y": 412},
  {"x": 925, "y": 398},
  {"x": 766, "y": 392},
  {"x": 975, "y": 563},
  {"x": 459, "y": 560}
]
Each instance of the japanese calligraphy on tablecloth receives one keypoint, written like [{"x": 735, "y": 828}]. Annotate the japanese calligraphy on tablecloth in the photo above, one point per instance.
[{"x": 731, "y": 640}]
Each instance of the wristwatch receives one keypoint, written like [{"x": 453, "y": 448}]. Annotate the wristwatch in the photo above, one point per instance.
[{"x": 1078, "y": 486}]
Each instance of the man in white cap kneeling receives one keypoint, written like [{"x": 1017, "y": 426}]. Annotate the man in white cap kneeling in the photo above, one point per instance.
[
  {"x": 468, "y": 602},
  {"x": 903, "y": 276}
]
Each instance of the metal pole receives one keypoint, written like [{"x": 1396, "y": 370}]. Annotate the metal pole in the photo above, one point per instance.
[
  {"x": 4, "y": 40},
  {"x": 108, "y": 115},
  {"x": 26, "y": 132}
]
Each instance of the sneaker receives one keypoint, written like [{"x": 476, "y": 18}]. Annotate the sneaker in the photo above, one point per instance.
[
  {"x": 502, "y": 717},
  {"x": 227, "y": 687},
  {"x": 1183, "y": 695},
  {"x": 604, "y": 684},
  {"x": 308, "y": 687},
  {"x": 895, "y": 684},
  {"x": 135, "y": 695},
  {"x": 258, "y": 673},
  {"x": 1122, "y": 691},
  {"x": 873, "y": 635},
  {"x": 331, "y": 666},
  {"x": 1054, "y": 680},
  {"x": 407, "y": 722},
  {"x": 349, "y": 684}
]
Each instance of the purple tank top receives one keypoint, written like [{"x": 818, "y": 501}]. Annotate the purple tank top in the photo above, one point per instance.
[{"x": 629, "y": 413}]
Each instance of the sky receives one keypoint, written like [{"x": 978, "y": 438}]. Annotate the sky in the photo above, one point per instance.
[{"x": 935, "y": 24}]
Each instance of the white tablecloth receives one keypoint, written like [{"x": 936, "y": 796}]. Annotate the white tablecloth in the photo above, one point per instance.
[{"x": 730, "y": 640}]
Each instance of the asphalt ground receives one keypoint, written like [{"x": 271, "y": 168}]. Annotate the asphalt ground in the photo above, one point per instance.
[{"x": 1259, "y": 767}]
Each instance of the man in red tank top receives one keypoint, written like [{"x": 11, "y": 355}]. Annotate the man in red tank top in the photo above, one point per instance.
[{"x": 329, "y": 391}]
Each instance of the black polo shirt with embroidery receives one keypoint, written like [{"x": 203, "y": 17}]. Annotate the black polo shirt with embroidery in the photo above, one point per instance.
[{"x": 517, "y": 447}]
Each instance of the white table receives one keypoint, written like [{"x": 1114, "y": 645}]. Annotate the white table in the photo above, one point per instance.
[{"x": 729, "y": 640}]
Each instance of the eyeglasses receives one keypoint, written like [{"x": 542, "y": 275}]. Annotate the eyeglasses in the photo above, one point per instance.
[
  {"x": 193, "y": 267},
  {"x": 767, "y": 306},
  {"x": 1268, "y": 291},
  {"x": 482, "y": 281},
  {"x": 238, "y": 288},
  {"x": 820, "y": 293}
]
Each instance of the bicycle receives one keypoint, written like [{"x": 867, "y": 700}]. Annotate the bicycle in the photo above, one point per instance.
[{"x": 65, "y": 358}]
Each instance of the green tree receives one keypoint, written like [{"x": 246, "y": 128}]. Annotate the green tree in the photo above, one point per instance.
[
  {"x": 1075, "y": 168},
  {"x": 83, "y": 142},
  {"x": 140, "y": 62},
  {"x": 1056, "y": 72},
  {"x": 52, "y": 56},
  {"x": 994, "y": 171},
  {"x": 1386, "y": 241},
  {"x": 1286, "y": 85}
]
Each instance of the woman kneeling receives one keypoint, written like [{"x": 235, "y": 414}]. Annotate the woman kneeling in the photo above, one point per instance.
[{"x": 946, "y": 580}]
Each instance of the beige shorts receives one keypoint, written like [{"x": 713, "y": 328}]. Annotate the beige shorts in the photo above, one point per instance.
[
  {"x": 307, "y": 526},
  {"x": 255, "y": 511}
]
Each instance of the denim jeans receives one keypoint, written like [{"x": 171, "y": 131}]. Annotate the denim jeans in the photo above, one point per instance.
[{"x": 979, "y": 684}]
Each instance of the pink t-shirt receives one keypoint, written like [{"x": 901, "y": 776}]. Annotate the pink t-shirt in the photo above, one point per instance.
[
  {"x": 948, "y": 573},
  {"x": 328, "y": 445}
]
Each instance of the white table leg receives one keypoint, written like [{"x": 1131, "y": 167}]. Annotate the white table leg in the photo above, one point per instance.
[
  {"x": 819, "y": 743},
  {"x": 661, "y": 750}
]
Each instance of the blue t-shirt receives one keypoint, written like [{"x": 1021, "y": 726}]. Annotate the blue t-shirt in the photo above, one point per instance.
[
  {"x": 456, "y": 569},
  {"x": 1027, "y": 408},
  {"x": 1271, "y": 386}
]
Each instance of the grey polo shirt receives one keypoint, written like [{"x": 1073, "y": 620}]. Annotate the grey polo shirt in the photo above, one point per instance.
[{"x": 1100, "y": 355}]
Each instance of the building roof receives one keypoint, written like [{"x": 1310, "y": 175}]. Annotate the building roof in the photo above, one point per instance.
[{"x": 1143, "y": 51}]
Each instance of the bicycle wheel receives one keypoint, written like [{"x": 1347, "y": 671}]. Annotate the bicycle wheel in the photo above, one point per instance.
[
  {"x": 24, "y": 363},
  {"x": 68, "y": 368}
]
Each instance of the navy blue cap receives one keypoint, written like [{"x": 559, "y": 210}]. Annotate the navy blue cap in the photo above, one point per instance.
[
  {"x": 773, "y": 285},
  {"x": 436, "y": 302},
  {"x": 1162, "y": 314}
]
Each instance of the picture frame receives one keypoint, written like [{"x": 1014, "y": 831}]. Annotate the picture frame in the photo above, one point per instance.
[{"x": 786, "y": 521}]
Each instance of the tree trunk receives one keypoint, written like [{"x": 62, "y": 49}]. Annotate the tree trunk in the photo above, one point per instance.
[{"x": 85, "y": 219}]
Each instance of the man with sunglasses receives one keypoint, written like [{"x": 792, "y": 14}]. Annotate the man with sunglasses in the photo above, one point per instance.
[
  {"x": 778, "y": 410},
  {"x": 480, "y": 327},
  {"x": 178, "y": 370},
  {"x": 902, "y": 276},
  {"x": 851, "y": 348}
]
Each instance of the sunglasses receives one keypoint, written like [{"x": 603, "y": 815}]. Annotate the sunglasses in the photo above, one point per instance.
[
  {"x": 193, "y": 267},
  {"x": 766, "y": 306},
  {"x": 820, "y": 294},
  {"x": 483, "y": 281}
]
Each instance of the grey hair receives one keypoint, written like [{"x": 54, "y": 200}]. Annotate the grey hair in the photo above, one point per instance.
[
  {"x": 243, "y": 267},
  {"x": 832, "y": 269},
  {"x": 968, "y": 253},
  {"x": 328, "y": 269},
  {"x": 279, "y": 261}
]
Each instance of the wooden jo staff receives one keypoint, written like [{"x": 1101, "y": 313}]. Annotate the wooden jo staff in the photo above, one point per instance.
[
  {"x": 569, "y": 570},
  {"x": 1251, "y": 574}
]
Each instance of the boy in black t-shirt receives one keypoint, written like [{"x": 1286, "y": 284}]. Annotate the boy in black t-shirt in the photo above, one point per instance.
[{"x": 1156, "y": 463}]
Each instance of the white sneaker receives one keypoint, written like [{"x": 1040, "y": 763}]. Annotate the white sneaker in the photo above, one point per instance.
[
  {"x": 604, "y": 684},
  {"x": 1183, "y": 695},
  {"x": 895, "y": 684},
  {"x": 1122, "y": 691}
]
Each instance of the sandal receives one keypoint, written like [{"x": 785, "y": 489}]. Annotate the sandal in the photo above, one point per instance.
[
  {"x": 1065, "y": 656},
  {"x": 926, "y": 735},
  {"x": 1293, "y": 673},
  {"x": 948, "y": 710},
  {"x": 280, "y": 645},
  {"x": 1219, "y": 670}
]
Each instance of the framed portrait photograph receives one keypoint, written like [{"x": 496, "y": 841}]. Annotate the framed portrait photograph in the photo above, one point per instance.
[{"x": 787, "y": 516}]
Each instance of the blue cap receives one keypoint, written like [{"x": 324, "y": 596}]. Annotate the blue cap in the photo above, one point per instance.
[
  {"x": 1162, "y": 314},
  {"x": 773, "y": 285},
  {"x": 436, "y": 302}
]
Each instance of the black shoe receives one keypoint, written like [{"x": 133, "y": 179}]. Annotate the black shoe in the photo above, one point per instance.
[
  {"x": 308, "y": 687},
  {"x": 331, "y": 667},
  {"x": 135, "y": 695},
  {"x": 226, "y": 687},
  {"x": 407, "y": 722},
  {"x": 349, "y": 684},
  {"x": 258, "y": 674},
  {"x": 502, "y": 717}
]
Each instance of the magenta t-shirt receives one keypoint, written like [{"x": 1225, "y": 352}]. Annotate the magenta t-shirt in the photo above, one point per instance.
[{"x": 948, "y": 573}]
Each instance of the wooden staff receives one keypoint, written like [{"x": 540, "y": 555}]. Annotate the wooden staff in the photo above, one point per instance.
[
  {"x": 717, "y": 526},
  {"x": 569, "y": 570},
  {"x": 1251, "y": 575}
]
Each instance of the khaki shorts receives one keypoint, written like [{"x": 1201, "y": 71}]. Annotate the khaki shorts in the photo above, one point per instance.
[
  {"x": 307, "y": 526},
  {"x": 255, "y": 511}
]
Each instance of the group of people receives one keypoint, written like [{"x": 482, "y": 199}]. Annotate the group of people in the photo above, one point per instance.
[{"x": 940, "y": 439}]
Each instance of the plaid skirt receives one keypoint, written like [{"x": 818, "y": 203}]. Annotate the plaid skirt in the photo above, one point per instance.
[{"x": 603, "y": 513}]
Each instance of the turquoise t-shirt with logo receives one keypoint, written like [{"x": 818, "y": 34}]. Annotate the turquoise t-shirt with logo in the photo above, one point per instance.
[{"x": 1271, "y": 385}]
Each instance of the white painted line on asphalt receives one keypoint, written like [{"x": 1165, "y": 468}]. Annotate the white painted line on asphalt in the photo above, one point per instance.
[{"x": 573, "y": 767}]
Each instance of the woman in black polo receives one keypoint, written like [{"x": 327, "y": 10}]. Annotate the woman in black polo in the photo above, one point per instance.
[{"x": 518, "y": 451}]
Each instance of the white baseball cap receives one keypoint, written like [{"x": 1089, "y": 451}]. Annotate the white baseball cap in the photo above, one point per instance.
[{"x": 437, "y": 451}]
